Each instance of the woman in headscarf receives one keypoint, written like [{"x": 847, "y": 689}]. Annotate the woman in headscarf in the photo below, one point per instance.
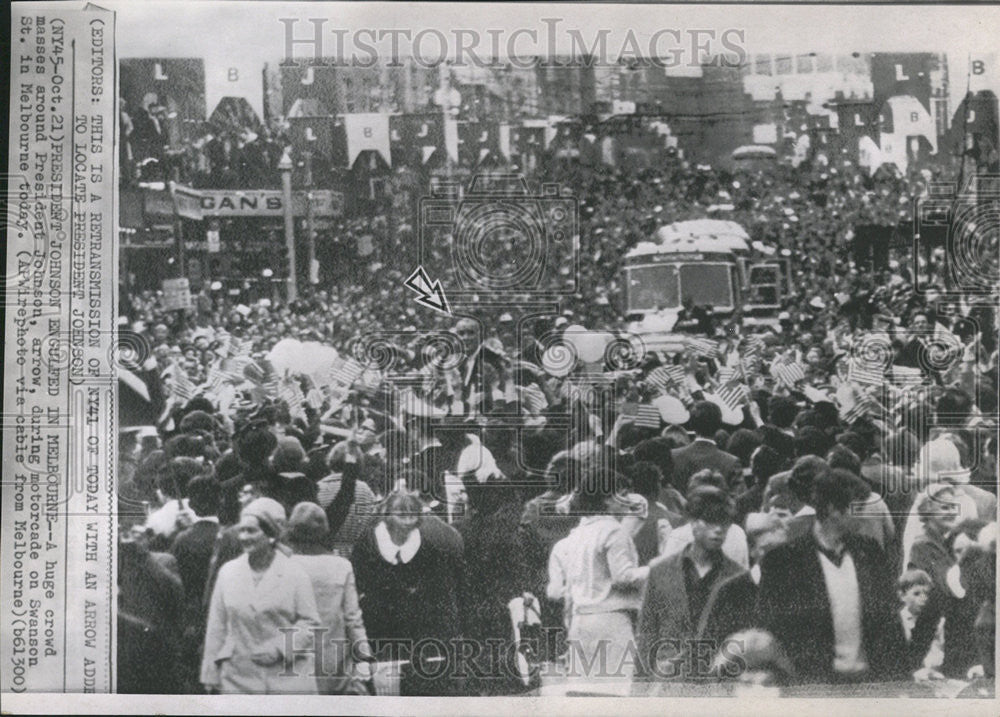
[
  {"x": 332, "y": 577},
  {"x": 262, "y": 615}
]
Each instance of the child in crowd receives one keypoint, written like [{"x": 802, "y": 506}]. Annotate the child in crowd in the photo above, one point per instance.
[{"x": 924, "y": 641}]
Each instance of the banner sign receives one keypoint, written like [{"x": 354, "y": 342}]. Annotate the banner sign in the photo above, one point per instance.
[
  {"x": 176, "y": 294},
  {"x": 200, "y": 203}
]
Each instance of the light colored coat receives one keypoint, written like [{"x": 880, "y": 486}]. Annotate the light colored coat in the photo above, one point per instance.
[
  {"x": 332, "y": 580},
  {"x": 245, "y": 619}
]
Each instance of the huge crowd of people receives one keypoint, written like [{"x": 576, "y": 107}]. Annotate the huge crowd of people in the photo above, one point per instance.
[{"x": 450, "y": 507}]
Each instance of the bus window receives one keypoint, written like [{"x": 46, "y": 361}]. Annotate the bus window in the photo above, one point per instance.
[
  {"x": 764, "y": 285},
  {"x": 707, "y": 284},
  {"x": 651, "y": 288}
]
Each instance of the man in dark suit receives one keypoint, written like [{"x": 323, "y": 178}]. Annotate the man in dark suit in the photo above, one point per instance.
[
  {"x": 193, "y": 546},
  {"x": 678, "y": 590},
  {"x": 660, "y": 520},
  {"x": 193, "y": 550},
  {"x": 828, "y": 597},
  {"x": 706, "y": 419},
  {"x": 764, "y": 463},
  {"x": 777, "y": 432}
]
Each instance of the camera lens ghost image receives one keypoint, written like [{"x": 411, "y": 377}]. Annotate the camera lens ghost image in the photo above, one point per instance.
[
  {"x": 974, "y": 245},
  {"x": 500, "y": 245},
  {"x": 501, "y": 238}
]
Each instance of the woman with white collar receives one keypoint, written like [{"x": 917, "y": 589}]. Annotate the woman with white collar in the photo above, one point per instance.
[{"x": 408, "y": 568}]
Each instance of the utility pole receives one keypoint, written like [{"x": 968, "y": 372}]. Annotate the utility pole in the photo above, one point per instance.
[
  {"x": 310, "y": 222},
  {"x": 285, "y": 167},
  {"x": 178, "y": 230}
]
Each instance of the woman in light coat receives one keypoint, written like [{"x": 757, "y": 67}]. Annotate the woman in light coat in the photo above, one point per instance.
[
  {"x": 344, "y": 645},
  {"x": 258, "y": 596}
]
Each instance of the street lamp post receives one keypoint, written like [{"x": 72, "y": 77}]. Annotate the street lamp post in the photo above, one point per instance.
[
  {"x": 310, "y": 220},
  {"x": 285, "y": 166}
]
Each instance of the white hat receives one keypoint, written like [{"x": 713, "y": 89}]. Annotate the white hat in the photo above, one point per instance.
[
  {"x": 988, "y": 536},
  {"x": 940, "y": 462},
  {"x": 672, "y": 411},
  {"x": 815, "y": 395},
  {"x": 477, "y": 459}
]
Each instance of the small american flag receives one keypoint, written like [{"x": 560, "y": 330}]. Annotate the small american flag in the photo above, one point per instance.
[
  {"x": 854, "y": 413},
  {"x": 215, "y": 379},
  {"x": 788, "y": 373},
  {"x": 727, "y": 374},
  {"x": 253, "y": 371},
  {"x": 240, "y": 347},
  {"x": 642, "y": 415},
  {"x": 346, "y": 372},
  {"x": 676, "y": 374},
  {"x": 661, "y": 379},
  {"x": 225, "y": 341},
  {"x": 702, "y": 347},
  {"x": 533, "y": 399},
  {"x": 238, "y": 363},
  {"x": 753, "y": 347},
  {"x": 292, "y": 395},
  {"x": 315, "y": 398},
  {"x": 733, "y": 394},
  {"x": 183, "y": 388},
  {"x": 865, "y": 374},
  {"x": 907, "y": 376},
  {"x": 750, "y": 365},
  {"x": 864, "y": 405}
]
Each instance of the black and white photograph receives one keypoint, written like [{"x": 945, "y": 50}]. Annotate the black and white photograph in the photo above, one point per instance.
[{"x": 534, "y": 352}]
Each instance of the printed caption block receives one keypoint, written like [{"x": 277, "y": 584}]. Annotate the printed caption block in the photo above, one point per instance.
[{"x": 59, "y": 394}]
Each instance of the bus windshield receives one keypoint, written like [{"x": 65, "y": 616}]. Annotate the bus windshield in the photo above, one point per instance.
[
  {"x": 707, "y": 284},
  {"x": 651, "y": 288},
  {"x": 662, "y": 286}
]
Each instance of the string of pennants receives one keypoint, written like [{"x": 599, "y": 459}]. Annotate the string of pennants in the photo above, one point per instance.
[{"x": 431, "y": 139}]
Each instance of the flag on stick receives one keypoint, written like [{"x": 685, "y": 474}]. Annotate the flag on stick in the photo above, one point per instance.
[
  {"x": 346, "y": 372},
  {"x": 865, "y": 374},
  {"x": 788, "y": 373},
  {"x": 733, "y": 394},
  {"x": 642, "y": 415},
  {"x": 702, "y": 347}
]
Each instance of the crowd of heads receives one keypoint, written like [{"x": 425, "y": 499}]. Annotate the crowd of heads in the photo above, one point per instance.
[{"x": 795, "y": 448}]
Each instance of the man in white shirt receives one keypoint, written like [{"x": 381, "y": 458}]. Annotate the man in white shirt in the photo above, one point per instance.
[{"x": 828, "y": 597}]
